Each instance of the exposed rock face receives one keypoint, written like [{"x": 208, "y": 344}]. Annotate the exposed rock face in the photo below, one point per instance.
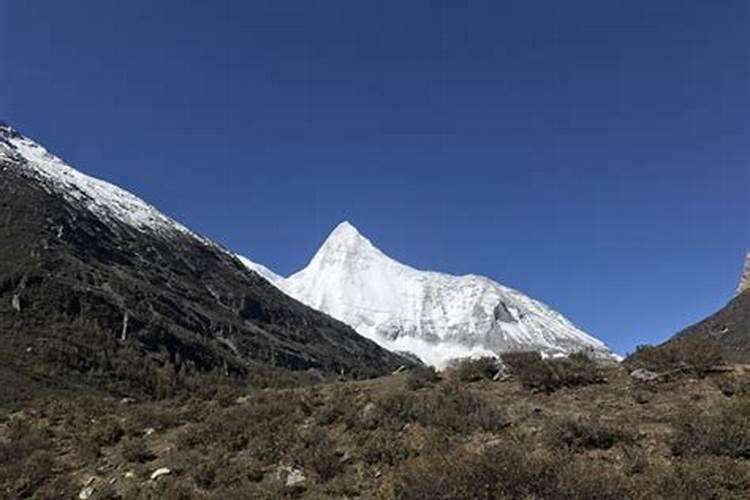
[
  {"x": 745, "y": 279},
  {"x": 97, "y": 281},
  {"x": 290, "y": 476}
]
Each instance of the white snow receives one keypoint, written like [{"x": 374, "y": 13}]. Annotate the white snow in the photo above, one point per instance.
[
  {"x": 745, "y": 279},
  {"x": 102, "y": 198},
  {"x": 434, "y": 315},
  {"x": 260, "y": 269}
]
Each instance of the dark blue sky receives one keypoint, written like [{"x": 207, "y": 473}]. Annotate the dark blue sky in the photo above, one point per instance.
[{"x": 594, "y": 154}]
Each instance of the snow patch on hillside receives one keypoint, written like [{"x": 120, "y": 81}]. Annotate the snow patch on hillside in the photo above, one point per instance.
[{"x": 100, "y": 197}]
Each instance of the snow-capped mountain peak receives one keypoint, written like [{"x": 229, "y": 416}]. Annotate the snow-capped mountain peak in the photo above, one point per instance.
[
  {"x": 345, "y": 235},
  {"x": 345, "y": 243},
  {"x": 435, "y": 315}
]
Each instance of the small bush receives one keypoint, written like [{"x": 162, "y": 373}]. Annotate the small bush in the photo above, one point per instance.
[
  {"x": 422, "y": 376},
  {"x": 585, "y": 433},
  {"x": 135, "y": 450},
  {"x": 449, "y": 406},
  {"x": 578, "y": 369},
  {"x": 315, "y": 451},
  {"x": 702, "y": 477},
  {"x": 475, "y": 369},
  {"x": 330, "y": 411},
  {"x": 592, "y": 481},
  {"x": 265, "y": 426},
  {"x": 461, "y": 474},
  {"x": 506, "y": 471},
  {"x": 205, "y": 475},
  {"x": 36, "y": 471},
  {"x": 532, "y": 371},
  {"x": 382, "y": 447},
  {"x": 722, "y": 432},
  {"x": 635, "y": 459},
  {"x": 106, "y": 432},
  {"x": 548, "y": 375}
]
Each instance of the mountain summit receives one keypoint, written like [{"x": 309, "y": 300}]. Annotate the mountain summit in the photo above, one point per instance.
[
  {"x": 436, "y": 316},
  {"x": 344, "y": 246}
]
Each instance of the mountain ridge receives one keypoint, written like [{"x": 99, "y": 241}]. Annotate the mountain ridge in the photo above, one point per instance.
[
  {"x": 99, "y": 287},
  {"x": 730, "y": 325}
]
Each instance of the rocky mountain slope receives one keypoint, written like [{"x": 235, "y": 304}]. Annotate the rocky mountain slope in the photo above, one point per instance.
[
  {"x": 434, "y": 315},
  {"x": 730, "y": 326},
  {"x": 99, "y": 288}
]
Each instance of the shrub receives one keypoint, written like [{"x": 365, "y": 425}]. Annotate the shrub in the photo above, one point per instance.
[
  {"x": 578, "y": 369},
  {"x": 315, "y": 451},
  {"x": 449, "y": 406},
  {"x": 548, "y": 375},
  {"x": 592, "y": 481},
  {"x": 265, "y": 425},
  {"x": 703, "y": 477},
  {"x": 135, "y": 450},
  {"x": 26, "y": 464},
  {"x": 422, "y": 376},
  {"x": 106, "y": 432},
  {"x": 37, "y": 470},
  {"x": 586, "y": 433},
  {"x": 506, "y": 471},
  {"x": 635, "y": 459},
  {"x": 329, "y": 410},
  {"x": 722, "y": 432},
  {"x": 532, "y": 371},
  {"x": 205, "y": 475},
  {"x": 24, "y": 439},
  {"x": 475, "y": 369},
  {"x": 382, "y": 447}
]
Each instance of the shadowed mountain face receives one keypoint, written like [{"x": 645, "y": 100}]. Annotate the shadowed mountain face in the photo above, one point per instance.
[
  {"x": 730, "y": 326},
  {"x": 98, "y": 288}
]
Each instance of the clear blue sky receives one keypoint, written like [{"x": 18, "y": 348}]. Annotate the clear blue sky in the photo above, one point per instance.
[{"x": 594, "y": 154}]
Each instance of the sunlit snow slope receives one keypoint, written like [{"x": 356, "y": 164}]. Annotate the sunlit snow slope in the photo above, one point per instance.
[
  {"x": 104, "y": 199},
  {"x": 434, "y": 315},
  {"x": 745, "y": 279}
]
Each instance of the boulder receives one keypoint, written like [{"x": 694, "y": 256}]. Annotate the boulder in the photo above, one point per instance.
[{"x": 290, "y": 476}]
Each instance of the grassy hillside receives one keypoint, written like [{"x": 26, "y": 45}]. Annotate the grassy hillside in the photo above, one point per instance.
[{"x": 413, "y": 435}]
